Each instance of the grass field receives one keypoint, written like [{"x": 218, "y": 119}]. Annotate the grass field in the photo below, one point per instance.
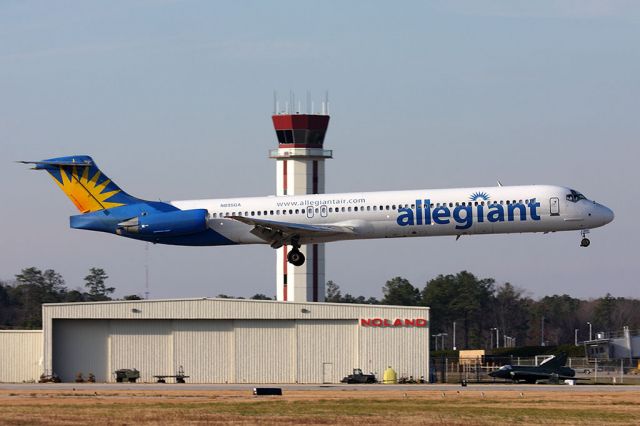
[{"x": 464, "y": 407}]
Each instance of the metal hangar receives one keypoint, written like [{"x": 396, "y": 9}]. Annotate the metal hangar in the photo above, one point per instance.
[{"x": 234, "y": 341}]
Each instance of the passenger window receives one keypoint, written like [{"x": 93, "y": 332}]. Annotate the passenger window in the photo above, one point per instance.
[
  {"x": 368, "y": 208},
  {"x": 349, "y": 209},
  {"x": 214, "y": 215},
  {"x": 393, "y": 206},
  {"x": 258, "y": 212},
  {"x": 355, "y": 209},
  {"x": 297, "y": 211}
]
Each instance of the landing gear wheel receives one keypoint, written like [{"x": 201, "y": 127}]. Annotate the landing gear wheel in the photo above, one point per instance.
[
  {"x": 295, "y": 257},
  {"x": 585, "y": 241}
]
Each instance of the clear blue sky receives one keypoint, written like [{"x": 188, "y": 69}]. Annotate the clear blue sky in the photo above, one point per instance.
[{"x": 173, "y": 101}]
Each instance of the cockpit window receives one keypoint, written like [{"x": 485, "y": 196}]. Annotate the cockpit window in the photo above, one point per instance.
[{"x": 575, "y": 196}]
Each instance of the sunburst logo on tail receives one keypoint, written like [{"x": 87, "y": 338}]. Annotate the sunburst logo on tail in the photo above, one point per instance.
[{"x": 88, "y": 193}]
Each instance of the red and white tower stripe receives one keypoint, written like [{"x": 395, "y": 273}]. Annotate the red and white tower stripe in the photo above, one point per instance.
[{"x": 300, "y": 170}]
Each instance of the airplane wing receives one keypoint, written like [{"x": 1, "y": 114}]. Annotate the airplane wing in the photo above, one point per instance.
[{"x": 278, "y": 233}]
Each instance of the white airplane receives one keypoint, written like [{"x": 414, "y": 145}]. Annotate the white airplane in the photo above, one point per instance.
[{"x": 320, "y": 218}]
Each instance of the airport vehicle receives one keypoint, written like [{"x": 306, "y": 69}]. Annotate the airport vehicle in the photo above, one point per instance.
[
  {"x": 127, "y": 375},
  {"x": 320, "y": 218},
  {"x": 552, "y": 370},
  {"x": 359, "y": 377}
]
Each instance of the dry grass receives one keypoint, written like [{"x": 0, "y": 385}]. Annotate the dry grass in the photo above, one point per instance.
[{"x": 467, "y": 407}]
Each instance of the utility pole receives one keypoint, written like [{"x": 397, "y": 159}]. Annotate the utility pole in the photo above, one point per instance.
[
  {"x": 542, "y": 331},
  {"x": 454, "y": 336},
  {"x": 590, "y": 335},
  {"x": 576, "y": 337}
]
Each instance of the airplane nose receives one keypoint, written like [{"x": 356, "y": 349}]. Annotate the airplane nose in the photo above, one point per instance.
[{"x": 607, "y": 214}]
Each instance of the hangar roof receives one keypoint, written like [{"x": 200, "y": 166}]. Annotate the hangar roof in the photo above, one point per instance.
[{"x": 211, "y": 308}]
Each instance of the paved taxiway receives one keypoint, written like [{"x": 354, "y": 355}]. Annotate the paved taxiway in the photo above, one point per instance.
[{"x": 337, "y": 387}]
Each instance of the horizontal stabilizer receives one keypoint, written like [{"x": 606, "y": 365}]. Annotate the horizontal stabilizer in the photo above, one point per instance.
[{"x": 59, "y": 163}]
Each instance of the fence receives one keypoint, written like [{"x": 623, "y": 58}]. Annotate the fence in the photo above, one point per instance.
[{"x": 589, "y": 371}]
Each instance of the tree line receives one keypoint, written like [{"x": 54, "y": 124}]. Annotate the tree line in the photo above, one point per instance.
[
  {"x": 477, "y": 307},
  {"x": 20, "y": 301}
]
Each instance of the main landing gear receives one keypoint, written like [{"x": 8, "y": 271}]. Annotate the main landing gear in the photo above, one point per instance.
[
  {"x": 585, "y": 241},
  {"x": 295, "y": 256}
]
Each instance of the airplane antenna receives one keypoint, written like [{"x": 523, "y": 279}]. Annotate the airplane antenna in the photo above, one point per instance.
[{"x": 499, "y": 183}]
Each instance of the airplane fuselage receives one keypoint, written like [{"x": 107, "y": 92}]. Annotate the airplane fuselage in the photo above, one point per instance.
[
  {"x": 304, "y": 219},
  {"x": 415, "y": 213}
]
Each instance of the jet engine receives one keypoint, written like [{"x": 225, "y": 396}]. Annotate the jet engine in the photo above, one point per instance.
[{"x": 170, "y": 224}]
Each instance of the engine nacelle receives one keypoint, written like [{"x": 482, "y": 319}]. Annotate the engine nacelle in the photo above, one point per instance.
[{"x": 169, "y": 224}]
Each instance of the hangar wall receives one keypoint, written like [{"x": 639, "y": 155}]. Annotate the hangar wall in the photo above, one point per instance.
[
  {"x": 20, "y": 355},
  {"x": 231, "y": 341}
]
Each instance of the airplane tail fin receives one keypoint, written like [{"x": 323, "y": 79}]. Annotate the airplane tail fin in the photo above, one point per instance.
[
  {"x": 556, "y": 361},
  {"x": 86, "y": 186}
]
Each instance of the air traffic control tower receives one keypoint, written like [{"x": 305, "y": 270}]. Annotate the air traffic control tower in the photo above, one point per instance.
[{"x": 300, "y": 170}]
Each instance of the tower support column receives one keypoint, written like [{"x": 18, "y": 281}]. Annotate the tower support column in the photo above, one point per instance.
[{"x": 300, "y": 171}]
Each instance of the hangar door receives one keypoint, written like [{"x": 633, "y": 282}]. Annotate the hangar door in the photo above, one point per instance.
[
  {"x": 80, "y": 346},
  {"x": 327, "y": 350},
  {"x": 205, "y": 349},
  {"x": 142, "y": 344},
  {"x": 264, "y": 351}
]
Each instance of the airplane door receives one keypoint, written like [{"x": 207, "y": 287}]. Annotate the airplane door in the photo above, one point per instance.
[
  {"x": 310, "y": 212},
  {"x": 554, "y": 206},
  {"x": 323, "y": 211}
]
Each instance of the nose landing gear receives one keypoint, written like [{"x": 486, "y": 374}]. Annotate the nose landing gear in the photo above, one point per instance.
[{"x": 585, "y": 241}]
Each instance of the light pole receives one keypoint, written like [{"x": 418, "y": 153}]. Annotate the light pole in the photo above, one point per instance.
[
  {"x": 589, "y": 324},
  {"x": 491, "y": 333},
  {"x": 576, "y": 336},
  {"x": 435, "y": 337},
  {"x": 442, "y": 337},
  {"x": 497, "y": 339},
  {"x": 542, "y": 331},
  {"x": 454, "y": 336}
]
